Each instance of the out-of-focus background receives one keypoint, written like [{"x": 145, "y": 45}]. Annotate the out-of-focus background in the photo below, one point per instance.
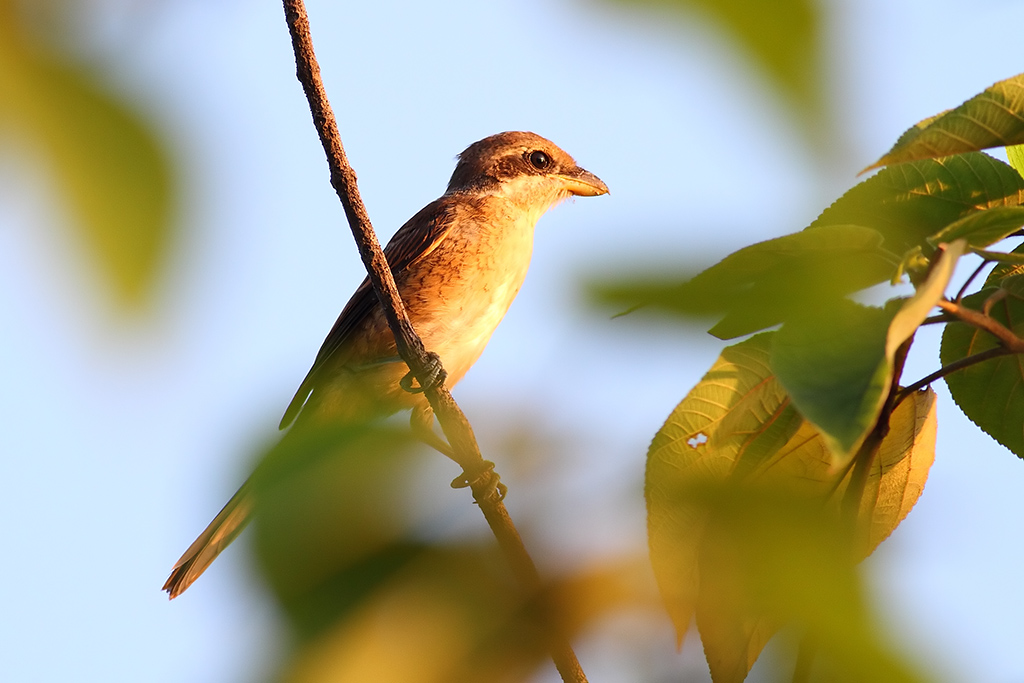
[{"x": 133, "y": 410}]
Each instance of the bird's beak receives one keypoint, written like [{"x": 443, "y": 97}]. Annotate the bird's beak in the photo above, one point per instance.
[{"x": 583, "y": 183}]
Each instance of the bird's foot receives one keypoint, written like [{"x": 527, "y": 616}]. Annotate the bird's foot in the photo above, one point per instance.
[
  {"x": 436, "y": 375},
  {"x": 485, "y": 478}
]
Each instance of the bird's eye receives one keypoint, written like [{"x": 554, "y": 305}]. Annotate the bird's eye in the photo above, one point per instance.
[{"x": 539, "y": 160}]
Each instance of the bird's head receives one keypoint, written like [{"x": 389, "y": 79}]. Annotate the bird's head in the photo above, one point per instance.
[{"x": 524, "y": 167}]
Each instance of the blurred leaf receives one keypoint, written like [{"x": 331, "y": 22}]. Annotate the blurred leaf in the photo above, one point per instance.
[
  {"x": 910, "y": 202},
  {"x": 749, "y": 550},
  {"x": 982, "y": 228},
  {"x": 867, "y": 231},
  {"x": 990, "y": 393},
  {"x": 330, "y": 501},
  {"x": 768, "y": 560},
  {"x": 837, "y": 362},
  {"x": 766, "y": 283},
  {"x": 783, "y": 37},
  {"x": 370, "y": 598},
  {"x": 107, "y": 161},
  {"x": 451, "y": 615},
  {"x": 993, "y": 118}
]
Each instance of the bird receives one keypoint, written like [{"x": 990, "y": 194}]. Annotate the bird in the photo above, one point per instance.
[{"x": 458, "y": 264}]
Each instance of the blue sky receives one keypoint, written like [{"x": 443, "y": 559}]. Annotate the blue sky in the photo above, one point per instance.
[{"x": 123, "y": 437}]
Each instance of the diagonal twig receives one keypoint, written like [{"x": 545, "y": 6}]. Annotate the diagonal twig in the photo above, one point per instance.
[
  {"x": 1006, "y": 336},
  {"x": 966, "y": 362},
  {"x": 453, "y": 422}
]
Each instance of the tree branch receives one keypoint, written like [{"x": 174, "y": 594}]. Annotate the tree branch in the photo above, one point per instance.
[
  {"x": 976, "y": 273},
  {"x": 1011, "y": 341},
  {"x": 966, "y": 362},
  {"x": 453, "y": 422}
]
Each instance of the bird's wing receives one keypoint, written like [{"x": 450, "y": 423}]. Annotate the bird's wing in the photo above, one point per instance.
[{"x": 414, "y": 240}]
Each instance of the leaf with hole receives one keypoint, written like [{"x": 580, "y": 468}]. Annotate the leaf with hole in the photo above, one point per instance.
[{"x": 741, "y": 541}]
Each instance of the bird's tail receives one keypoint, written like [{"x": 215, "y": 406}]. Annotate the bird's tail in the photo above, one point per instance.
[{"x": 228, "y": 523}]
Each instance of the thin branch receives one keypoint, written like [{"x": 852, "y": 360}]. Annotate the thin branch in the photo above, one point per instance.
[
  {"x": 1011, "y": 341},
  {"x": 966, "y": 362},
  {"x": 976, "y": 273},
  {"x": 453, "y": 422},
  {"x": 936, "y": 319}
]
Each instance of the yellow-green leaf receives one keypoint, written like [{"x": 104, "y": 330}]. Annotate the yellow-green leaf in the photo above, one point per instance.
[
  {"x": 1015, "y": 155},
  {"x": 899, "y": 471}
]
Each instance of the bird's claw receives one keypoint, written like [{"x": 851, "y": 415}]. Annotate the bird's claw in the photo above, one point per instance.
[
  {"x": 486, "y": 476},
  {"x": 436, "y": 375}
]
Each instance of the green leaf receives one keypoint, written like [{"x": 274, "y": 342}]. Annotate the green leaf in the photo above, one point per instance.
[
  {"x": 990, "y": 393},
  {"x": 994, "y": 118},
  {"x": 833, "y": 364},
  {"x": 1013, "y": 259},
  {"x": 982, "y": 228},
  {"x": 910, "y": 202},
  {"x": 769, "y": 282},
  {"x": 108, "y": 163},
  {"x": 836, "y": 363}
]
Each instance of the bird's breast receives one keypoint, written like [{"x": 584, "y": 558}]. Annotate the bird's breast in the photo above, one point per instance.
[{"x": 462, "y": 290}]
